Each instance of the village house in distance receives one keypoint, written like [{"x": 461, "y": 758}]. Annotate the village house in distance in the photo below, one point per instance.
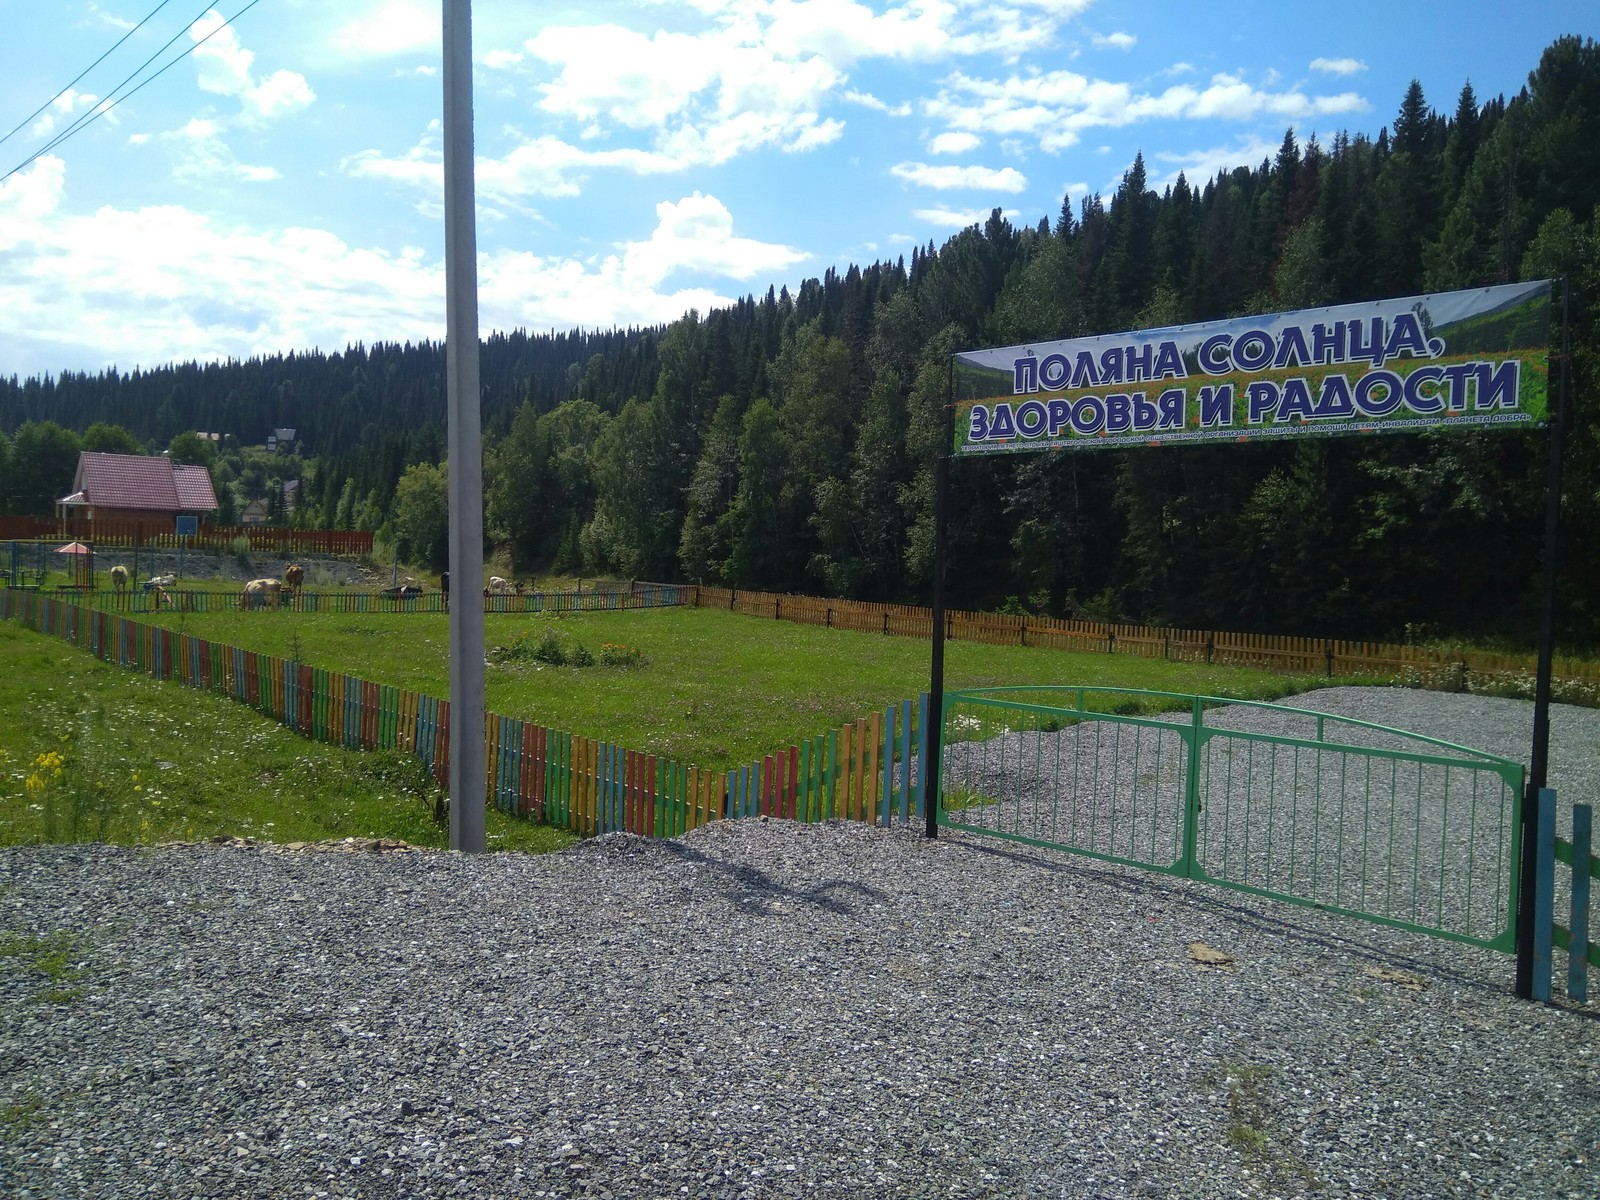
[{"x": 150, "y": 490}]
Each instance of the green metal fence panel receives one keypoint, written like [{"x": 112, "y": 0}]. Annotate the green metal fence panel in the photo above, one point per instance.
[
  {"x": 1419, "y": 840},
  {"x": 1311, "y": 808},
  {"x": 1111, "y": 786}
]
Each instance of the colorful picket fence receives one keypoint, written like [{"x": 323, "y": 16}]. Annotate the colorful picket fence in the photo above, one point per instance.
[
  {"x": 1300, "y": 655},
  {"x": 1577, "y": 854},
  {"x": 859, "y": 772}
]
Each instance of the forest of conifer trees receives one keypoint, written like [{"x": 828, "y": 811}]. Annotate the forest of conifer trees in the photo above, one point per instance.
[{"x": 787, "y": 442}]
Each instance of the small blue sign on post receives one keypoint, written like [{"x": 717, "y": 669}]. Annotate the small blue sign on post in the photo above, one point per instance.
[{"x": 188, "y": 526}]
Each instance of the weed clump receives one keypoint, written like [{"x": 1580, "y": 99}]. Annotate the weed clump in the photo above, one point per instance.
[{"x": 555, "y": 649}]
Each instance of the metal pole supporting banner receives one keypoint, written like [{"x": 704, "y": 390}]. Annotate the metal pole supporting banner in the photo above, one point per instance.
[
  {"x": 467, "y": 821},
  {"x": 934, "y": 736},
  {"x": 1539, "y": 760}
]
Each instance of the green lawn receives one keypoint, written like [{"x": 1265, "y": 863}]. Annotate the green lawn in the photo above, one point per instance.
[
  {"x": 714, "y": 689},
  {"x": 142, "y": 761}
]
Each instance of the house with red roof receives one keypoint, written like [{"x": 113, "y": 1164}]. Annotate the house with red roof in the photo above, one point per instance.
[{"x": 137, "y": 487}]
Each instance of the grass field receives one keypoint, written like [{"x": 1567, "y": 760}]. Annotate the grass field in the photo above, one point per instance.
[
  {"x": 91, "y": 752},
  {"x": 710, "y": 688}
]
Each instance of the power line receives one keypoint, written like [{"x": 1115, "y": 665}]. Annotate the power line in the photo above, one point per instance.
[
  {"x": 85, "y": 71},
  {"x": 99, "y": 110},
  {"x": 104, "y": 106}
]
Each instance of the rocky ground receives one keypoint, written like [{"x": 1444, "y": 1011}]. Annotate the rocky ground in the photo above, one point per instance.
[{"x": 757, "y": 1010}]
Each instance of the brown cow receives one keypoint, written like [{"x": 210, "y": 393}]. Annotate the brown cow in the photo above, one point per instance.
[
  {"x": 294, "y": 578},
  {"x": 119, "y": 581}
]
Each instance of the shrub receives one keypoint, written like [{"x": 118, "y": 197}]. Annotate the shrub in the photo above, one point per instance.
[
  {"x": 547, "y": 648},
  {"x": 560, "y": 650},
  {"x": 620, "y": 654}
]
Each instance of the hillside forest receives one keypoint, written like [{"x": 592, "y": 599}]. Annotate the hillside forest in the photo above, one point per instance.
[{"x": 788, "y": 442}]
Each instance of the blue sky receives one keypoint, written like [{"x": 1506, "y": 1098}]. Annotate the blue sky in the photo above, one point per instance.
[{"x": 280, "y": 188}]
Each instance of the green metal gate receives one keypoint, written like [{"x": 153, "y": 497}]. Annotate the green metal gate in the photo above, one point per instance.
[{"x": 1307, "y": 807}]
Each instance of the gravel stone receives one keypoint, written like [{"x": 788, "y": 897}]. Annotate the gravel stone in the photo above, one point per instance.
[{"x": 763, "y": 1009}]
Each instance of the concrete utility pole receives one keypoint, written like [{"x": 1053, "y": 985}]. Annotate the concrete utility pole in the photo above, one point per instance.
[{"x": 465, "y": 437}]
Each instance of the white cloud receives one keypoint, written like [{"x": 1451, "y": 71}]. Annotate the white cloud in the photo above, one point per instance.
[
  {"x": 540, "y": 167},
  {"x": 160, "y": 284},
  {"x": 868, "y": 100},
  {"x": 500, "y": 60},
  {"x": 759, "y": 74},
  {"x": 1198, "y": 166},
  {"x": 224, "y": 64},
  {"x": 633, "y": 79},
  {"x": 706, "y": 99},
  {"x": 1054, "y": 108},
  {"x": 60, "y": 109},
  {"x": 279, "y": 93},
  {"x": 1115, "y": 41},
  {"x": 224, "y": 67},
  {"x": 951, "y": 218},
  {"x": 696, "y": 233},
  {"x": 392, "y": 27},
  {"x": 954, "y": 143},
  {"x": 110, "y": 19},
  {"x": 201, "y": 154},
  {"x": 1006, "y": 179},
  {"x": 29, "y": 196},
  {"x": 1338, "y": 66}
]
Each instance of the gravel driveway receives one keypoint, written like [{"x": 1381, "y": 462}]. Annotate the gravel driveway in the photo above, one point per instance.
[{"x": 757, "y": 1009}]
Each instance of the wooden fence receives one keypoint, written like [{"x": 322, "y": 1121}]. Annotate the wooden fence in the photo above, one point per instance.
[
  {"x": 104, "y": 533},
  {"x": 861, "y": 771},
  {"x": 1453, "y": 669}
]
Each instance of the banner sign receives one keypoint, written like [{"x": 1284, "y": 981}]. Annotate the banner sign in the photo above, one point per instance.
[{"x": 1476, "y": 359}]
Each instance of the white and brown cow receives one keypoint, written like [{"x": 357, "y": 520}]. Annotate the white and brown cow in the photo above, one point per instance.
[{"x": 259, "y": 593}]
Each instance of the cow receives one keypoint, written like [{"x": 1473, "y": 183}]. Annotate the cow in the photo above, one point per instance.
[
  {"x": 159, "y": 581},
  {"x": 496, "y": 584},
  {"x": 294, "y": 578},
  {"x": 404, "y": 590},
  {"x": 259, "y": 592},
  {"x": 119, "y": 581}
]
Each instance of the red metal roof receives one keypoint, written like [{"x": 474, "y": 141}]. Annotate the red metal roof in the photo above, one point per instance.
[
  {"x": 140, "y": 481},
  {"x": 195, "y": 493}
]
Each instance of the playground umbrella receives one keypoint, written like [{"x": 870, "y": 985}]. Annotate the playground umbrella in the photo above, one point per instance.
[{"x": 82, "y": 560}]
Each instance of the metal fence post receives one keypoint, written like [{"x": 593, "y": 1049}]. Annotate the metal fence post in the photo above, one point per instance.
[
  {"x": 1544, "y": 895},
  {"x": 1191, "y": 793},
  {"x": 1578, "y": 931}
]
